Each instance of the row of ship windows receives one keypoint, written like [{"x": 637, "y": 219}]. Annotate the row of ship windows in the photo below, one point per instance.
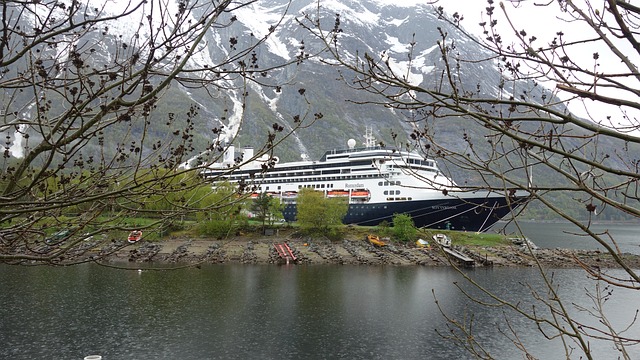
[
  {"x": 321, "y": 186},
  {"x": 418, "y": 168},
  {"x": 380, "y": 183},
  {"x": 312, "y": 186},
  {"x": 315, "y": 186},
  {"x": 292, "y": 201},
  {"x": 354, "y": 208},
  {"x": 330, "y": 186},
  {"x": 281, "y": 171},
  {"x": 351, "y": 208},
  {"x": 389, "y": 183},
  {"x": 243, "y": 175},
  {"x": 421, "y": 162},
  {"x": 306, "y": 170},
  {"x": 351, "y": 177}
]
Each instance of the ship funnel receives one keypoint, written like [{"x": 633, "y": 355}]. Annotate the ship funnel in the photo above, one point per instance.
[
  {"x": 247, "y": 154},
  {"x": 229, "y": 154}
]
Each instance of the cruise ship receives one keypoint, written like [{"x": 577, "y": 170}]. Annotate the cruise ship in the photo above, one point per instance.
[{"x": 377, "y": 182}]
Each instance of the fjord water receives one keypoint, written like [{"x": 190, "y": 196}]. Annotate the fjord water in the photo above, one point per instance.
[
  {"x": 551, "y": 235},
  {"x": 272, "y": 312}
]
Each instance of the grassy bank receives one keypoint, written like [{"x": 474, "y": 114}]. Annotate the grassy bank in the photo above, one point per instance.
[{"x": 351, "y": 232}]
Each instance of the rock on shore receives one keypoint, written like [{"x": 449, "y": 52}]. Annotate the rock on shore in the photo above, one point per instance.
[{"x": 261, "y": 250}]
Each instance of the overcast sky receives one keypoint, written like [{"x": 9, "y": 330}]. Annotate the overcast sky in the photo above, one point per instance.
[
  {"x": 544, "y": 22},
  {"x": 525, "y": 15}
]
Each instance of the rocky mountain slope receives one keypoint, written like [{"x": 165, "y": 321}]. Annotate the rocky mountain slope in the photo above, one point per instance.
[
  {"x": 372, "y": 26},
  {"x": 394, "y": 29}
]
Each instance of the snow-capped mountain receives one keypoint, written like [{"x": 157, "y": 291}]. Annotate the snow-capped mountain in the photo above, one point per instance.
[{"x": 377, "y": 27}]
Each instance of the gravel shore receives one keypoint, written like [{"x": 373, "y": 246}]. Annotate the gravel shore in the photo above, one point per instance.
[{"x": 262, "y": 250}]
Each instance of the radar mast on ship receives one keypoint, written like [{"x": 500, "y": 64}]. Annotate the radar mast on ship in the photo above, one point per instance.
[{"x": 369, "y": 140}]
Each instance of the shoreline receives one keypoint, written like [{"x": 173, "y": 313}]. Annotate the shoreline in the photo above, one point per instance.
[{"x": 262, "y": 250}]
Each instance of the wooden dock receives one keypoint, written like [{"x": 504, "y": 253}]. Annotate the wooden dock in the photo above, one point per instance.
[{"x": 462, "y": 259}]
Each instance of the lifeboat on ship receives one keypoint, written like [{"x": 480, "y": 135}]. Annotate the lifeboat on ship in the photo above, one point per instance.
[
  {"x": 337, "y": 193},
  {"x": 256, "y": 195},
  {"x": 361, "y": 193}
]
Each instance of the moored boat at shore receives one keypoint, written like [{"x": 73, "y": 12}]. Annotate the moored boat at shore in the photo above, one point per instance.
[
  {"x": 375, "y": 240},
  {"x": 134, "y": 236},
  {"x": 442, "y": 239}
]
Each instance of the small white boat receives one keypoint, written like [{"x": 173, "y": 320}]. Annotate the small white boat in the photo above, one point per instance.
[{"x": 442, "y": 239}]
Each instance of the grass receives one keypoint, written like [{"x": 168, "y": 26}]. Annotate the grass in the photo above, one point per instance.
[
  {"x": 476, "y": 239},
  {"x": 463, "y": 238},
  {"x": 351, "y": 232}
]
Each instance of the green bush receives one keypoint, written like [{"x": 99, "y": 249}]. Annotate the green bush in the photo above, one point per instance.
[
  {"x": 403, "y": 228},
  {"x": 317, "y": 213},
  {"x": 217, "y": 228},
  {"x": 384, "y": 229}
]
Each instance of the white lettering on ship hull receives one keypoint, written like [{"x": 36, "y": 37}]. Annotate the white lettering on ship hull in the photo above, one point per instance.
[{"x": 440, "y": 207}]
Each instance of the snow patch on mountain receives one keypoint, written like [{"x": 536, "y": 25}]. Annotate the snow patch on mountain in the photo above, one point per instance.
[
  {"x": 236, "y": 114},
  {"x": 17, "y": 148},
  {"x": 397, "y": 22},
  {"x": 142, "y": 24},
  {"x": 403, "y": 70},
  {"x": 412, "y": 70},
  {"x": 403, "y": 3},
  {"x": 260, "y": 20},
  {"x": 273, "y": 106},
  {"x": 201, "y": 56},
  {"x": 428, "y": 51},
  {"x": 348, "y": 11},
  {"x": 272, "y": 103},
  {"x": 132, "y": 28},
  {"x": 395, "y": 44},
  {"x": 301, "y": 148},
  {"x": 420, "y": 61}
]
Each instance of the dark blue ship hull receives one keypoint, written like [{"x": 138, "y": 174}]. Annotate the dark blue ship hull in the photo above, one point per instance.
[{"x": 472, "y": 214}]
